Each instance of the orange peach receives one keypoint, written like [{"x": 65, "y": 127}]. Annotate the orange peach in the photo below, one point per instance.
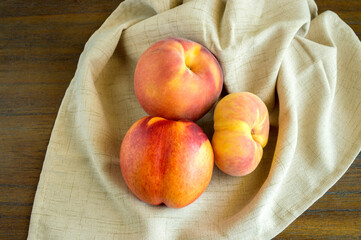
[
  {"x": 166, "y": 161},
  {"x": 241, "y": 128},
  {"x": 177, "y": 79}
]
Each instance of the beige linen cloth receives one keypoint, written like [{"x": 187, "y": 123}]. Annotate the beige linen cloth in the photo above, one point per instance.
[{"x": 305, "y": 67}]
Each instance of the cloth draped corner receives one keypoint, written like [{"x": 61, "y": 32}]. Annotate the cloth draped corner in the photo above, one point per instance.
[{"x": 306, "y": 68}]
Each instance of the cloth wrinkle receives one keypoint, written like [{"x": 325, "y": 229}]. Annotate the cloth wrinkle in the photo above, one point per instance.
[{"x": 304, "y": 66}]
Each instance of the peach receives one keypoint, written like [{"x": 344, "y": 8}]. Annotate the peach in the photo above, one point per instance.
[
  {"x": 166, "y": 161},
  {"x": 241, "y": 129},
  {"x": 177, "y": 79}
]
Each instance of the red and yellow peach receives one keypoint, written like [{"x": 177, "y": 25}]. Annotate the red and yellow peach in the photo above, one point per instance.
[
  {"x": 241, "y": 128},
  {"x": 177, "y": 79},
  {"x": 166, "y": 161}
]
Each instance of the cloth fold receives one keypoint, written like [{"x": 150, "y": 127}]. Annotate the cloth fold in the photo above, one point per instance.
[{"x": 306, "y": 68}]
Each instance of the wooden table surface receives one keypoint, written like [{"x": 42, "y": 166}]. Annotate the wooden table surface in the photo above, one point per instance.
[{"x": 40, "y": 43}]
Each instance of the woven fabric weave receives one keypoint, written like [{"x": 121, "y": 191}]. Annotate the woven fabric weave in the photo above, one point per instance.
[{"x": 306, "y": 68}]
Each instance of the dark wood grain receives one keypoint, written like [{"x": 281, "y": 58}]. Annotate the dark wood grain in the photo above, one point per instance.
[
  {"x": 40, "y": 43},
  {"x": 337, "y": 215}
]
